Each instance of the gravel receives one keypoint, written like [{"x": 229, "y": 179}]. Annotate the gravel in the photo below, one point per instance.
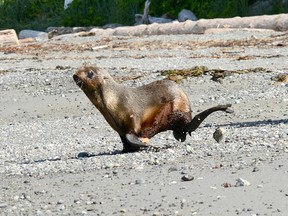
[{"x": 58, "y": 156}]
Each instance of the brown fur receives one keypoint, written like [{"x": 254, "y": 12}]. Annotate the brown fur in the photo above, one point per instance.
[{"x": 137, "y": 113}]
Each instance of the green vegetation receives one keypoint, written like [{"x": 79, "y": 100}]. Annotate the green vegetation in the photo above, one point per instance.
[
  {"x": 39, "y": 14},
  {"x": 100, "y": 12},
  {"x": 34, "y": 14}
]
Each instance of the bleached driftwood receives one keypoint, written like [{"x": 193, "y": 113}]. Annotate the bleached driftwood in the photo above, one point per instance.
[
  {"x": 8, "y": 37},
  {"x": 66, "y": 3},
  {"x": 145, "y": 18},
  {"x": 262, "y": 23},
  {"x": 139, "y": 19},
  {"x": 273, "y": 22}
]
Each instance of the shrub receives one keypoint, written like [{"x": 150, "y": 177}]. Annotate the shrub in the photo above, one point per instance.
[
  {"x": 34, "y": 14},
  {"x": 100, "y": 12}
]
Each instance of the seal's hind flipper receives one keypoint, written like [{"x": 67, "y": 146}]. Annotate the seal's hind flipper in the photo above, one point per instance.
[
  {"x": 132, "y": 143},
  {"x": 179, "y": 135},
  {"x": 198, "y": 119}
]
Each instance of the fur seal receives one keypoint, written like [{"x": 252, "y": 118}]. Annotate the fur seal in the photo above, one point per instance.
[{"x": 142, "y": 112}]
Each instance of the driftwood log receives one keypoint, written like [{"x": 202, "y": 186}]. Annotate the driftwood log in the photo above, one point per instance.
[
  {"x": 145, "y": 18},
  {"x": 8, "y": 37},
  {"x": 273, "y": 22}
]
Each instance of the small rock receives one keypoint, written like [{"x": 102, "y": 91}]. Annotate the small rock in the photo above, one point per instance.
[
  {"x": 189, "y": 149},
  {"x": 238, "y": 101},
  {"x": 61, "y": 207},
  {"x": 218, "y": 135},
  {"x": 240, "y": 182},
  {"x": 172, "y": 169},
  {"x": 255, "y": 169},
  {"x": 123, "y": 210},
  {"x": 59, "y": 202},
  {"x": 83, "y": 155},
  {"x": 186, "y": 15},
  {"x": 140, "y": 181},
  {"x": 27, "y": 33},
  {"x": 187, "y": 178},
  {"x": 3, "y": 205},
  {"x": 77, "y": 201},
  {"x": 89, "y": 202}
]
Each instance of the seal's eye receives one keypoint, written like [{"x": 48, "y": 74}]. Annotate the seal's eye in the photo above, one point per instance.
[{"x": 90, "y": 74}]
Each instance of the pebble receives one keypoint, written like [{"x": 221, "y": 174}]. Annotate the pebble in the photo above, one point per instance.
[
  {"x": 189, "y": 149},
  {"x": 218, "y": 134},
  {"x": 187, "y": 178},
  {"x": 240, "y": 182},
  {"x": 255, "y": 169},
  {"x": 83, "y": 155},
  {"x": 172, "y": 169},
  {"x": 59, "y": 202},
  {"x": 140, "y": 181},
  {"x": 123, "y": 211},
  {"x": 3, "y": 205}
]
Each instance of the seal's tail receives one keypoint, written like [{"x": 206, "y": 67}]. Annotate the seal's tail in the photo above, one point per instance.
[{"x": 198, "y": 119}]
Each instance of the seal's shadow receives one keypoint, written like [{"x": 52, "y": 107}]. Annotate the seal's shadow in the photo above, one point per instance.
[
  {"x": 236, "y": 124},
  {"x": 82, "y": 155},
  {"x": 257, "y": 123}
]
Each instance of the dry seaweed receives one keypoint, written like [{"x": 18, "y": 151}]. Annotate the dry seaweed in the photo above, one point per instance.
[
  {"x": 280, "y": 78},
  {"x": 178, "y": 75}
]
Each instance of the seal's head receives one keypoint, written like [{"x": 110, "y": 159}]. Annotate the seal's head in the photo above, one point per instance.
[{"x": 88, "y": 78}]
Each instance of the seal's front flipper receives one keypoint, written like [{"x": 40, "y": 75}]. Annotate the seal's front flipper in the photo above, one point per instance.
[
  {"x": 198, "y": 119},
  {"x": 132, "y": 143}
]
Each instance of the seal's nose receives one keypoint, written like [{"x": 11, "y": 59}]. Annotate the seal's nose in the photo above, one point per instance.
[{"x": 77, "y": 79}]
